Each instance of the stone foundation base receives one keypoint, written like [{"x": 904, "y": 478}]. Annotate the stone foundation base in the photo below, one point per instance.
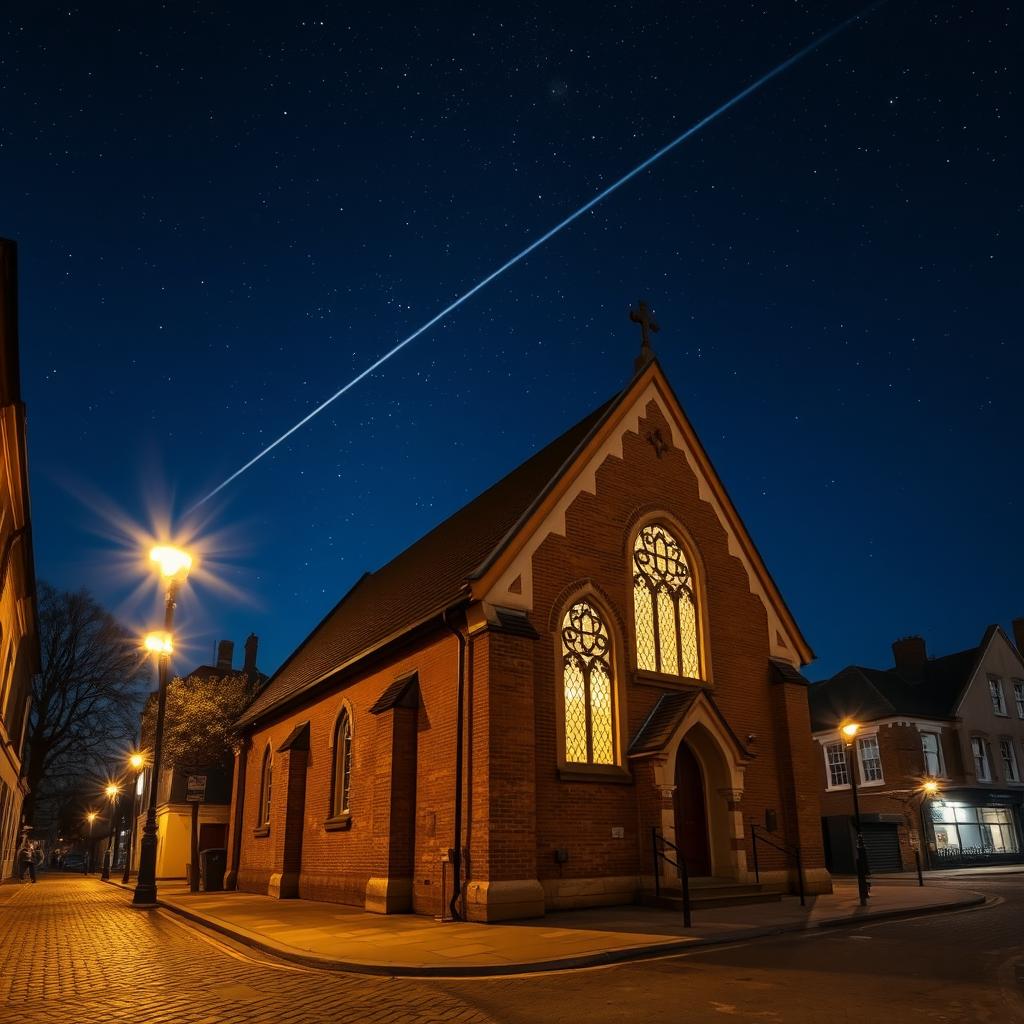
[
  {"x": 386, "y": 895},
  {"x": 504, "y": 901},
  {"x": 284, "y": 885},
  {"x": 575, "y": 893}
]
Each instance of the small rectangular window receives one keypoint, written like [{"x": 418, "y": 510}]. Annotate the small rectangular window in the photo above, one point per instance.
[
  {"x": 835, "y": 759},
  {"x": 995, "y": 689},
  {"x": 931, "y": 750},
  {"x": 1018, "y": 693},
  {"x": 870, "y": 759},
  {"x": 1009, "y": 761},
  {"x": 979, "y": 748}
]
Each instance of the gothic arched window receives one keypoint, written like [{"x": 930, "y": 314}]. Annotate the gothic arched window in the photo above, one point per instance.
[
  {"x": 665, "y": 605},
  {"x": 266, "y": 777},
  {"x": 587, "y": 680},
  {"x": 341, "y": 771}
]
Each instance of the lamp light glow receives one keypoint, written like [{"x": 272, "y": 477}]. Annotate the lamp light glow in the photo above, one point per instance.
[
  {"x": 159, "y": 643},
  {"x": 112, "y": 790},
  {"x": 849, "y": 729},
  {"x": 92, "y": 816},
  {"x": 930, "y": 787},
  {"x": 173, "y": 562},
  {"x": 136, "y": 761}
]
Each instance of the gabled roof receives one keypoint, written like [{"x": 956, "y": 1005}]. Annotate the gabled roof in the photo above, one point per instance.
[
  {"x": 868, "y": 694},
  {"x": 425, "y": 579},
  {"x": 454, "y": 563},
  {"x": 666, "y": 716}
]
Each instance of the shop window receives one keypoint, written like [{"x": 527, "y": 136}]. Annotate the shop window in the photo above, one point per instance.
[{"x": 963, "y": 832}]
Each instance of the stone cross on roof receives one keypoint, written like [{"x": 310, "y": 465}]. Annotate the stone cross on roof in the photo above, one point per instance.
[{"x": 643, "y": 316}]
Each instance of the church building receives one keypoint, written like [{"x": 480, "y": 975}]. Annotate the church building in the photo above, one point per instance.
[{"x": 586, "y": 664}]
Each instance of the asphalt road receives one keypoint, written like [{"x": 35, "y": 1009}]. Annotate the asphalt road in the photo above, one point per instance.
[
  {"x": 72, "y": 950},
  {"x": 966, "y": 966}
]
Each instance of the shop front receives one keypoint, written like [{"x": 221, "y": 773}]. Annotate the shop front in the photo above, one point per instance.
[{"x": 973, "y": 828}]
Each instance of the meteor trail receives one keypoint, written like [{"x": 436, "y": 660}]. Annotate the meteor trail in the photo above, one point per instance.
[{"x": 589, "y": 205}]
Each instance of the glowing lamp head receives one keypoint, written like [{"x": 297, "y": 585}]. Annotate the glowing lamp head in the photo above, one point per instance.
[
  {"x": 92, "y": 816},
  {"x": 136, "y": 762},
  {"x": 112, "y": 790},
  {"x": 849, "y": 731},
  {"x": 159, "y": 643},
  {"x": 929, "y": 787},
  {"x": 174, "y": 564}
]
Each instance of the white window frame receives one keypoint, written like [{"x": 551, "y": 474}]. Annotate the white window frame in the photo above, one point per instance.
[
  {"x": 1018, "y": 695},
  {"x": 829, "y": 784},
  {"x": 979, "y": 744},
  {"x": 872, "y": 737},
  {"x": 1011, "y": 772},
  {"x": 941, "y": 773},
  {"x": 995, "y": 689}
]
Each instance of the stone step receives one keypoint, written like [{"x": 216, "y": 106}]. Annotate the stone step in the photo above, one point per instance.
[{"x": 710, "y": 893}]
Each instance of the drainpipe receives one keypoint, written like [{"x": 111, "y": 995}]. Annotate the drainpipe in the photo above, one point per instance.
[
  {"x": 459, "y": 727},
  {"x": 231, "y": 879}
]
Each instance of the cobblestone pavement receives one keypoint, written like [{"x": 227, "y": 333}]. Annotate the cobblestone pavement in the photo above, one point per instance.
[{"x": 72, "y": 949}]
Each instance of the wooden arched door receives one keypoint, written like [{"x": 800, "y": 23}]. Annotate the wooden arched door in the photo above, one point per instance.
[{"x": 691, "y": 813}]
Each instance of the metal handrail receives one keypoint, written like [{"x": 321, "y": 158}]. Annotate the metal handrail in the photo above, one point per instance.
[
  {"x": 680, "y": 866},
  {"x": 793, "y": 852}
]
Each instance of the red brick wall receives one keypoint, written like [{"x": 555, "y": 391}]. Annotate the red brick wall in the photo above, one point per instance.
[
  {"x": 579, "y": 816},
  {"x": 337, "y": 865}
]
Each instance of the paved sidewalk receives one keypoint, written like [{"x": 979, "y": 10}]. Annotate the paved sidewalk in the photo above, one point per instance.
[{"x": 344, "y": 938}]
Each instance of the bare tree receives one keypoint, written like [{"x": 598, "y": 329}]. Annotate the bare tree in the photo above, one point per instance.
[
  {"x": 85, "y": 701},
  {"x": 200, "y": 731}
]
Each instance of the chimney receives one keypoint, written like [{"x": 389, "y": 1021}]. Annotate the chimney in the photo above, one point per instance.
[
  {"x": 1018, "y": 634},
  {"x": 225, "y": 655},
  {"x": 910, "y": 656},
  {"x": 251, "y": 643}
]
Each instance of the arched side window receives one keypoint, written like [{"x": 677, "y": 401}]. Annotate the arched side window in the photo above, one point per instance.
[
  {"x": 665, "y": 605},
  {"x": 587, "y": 679},
  {"x": 341, "y": 770},
  {"x": 266, "y": 778}
]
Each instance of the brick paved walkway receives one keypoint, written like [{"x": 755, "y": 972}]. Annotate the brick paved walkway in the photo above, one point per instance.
[{"x": 72, "y": 949}]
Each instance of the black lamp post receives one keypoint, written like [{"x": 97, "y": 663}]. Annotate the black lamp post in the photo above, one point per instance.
[
  {"x": 849, "y": 731},
  {"x": 174, "y": 566},
  {"x": 112, "y": 790},
  {"x": 137, "y": 763}
]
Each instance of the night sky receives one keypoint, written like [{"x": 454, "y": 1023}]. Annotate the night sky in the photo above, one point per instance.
[{"x": 227, "y": 210}]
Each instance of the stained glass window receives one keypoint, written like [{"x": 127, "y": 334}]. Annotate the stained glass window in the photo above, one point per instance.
[
  {"x": 588, "y": 687},
  {"x": 342, "y": 764},
  {"x": 266, "y": 778},
  {"x": 665, "y": 605}
]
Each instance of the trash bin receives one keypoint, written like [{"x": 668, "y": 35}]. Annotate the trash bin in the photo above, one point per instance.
[{"x": 212, "y": 865}]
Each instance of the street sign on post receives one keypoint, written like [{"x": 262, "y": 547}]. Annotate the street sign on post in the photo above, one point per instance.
[{"x": 195, "y": 791}]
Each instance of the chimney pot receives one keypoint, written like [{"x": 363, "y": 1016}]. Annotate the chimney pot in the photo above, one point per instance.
[
  {"x": 1018, "y": 634},
  {"x": 910, "y": 655},
  {"x": 251, "y": 644},
  {"x": 225, "y": 655}
]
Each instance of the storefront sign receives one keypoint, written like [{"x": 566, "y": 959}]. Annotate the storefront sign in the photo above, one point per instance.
[{"x": 195, "y": 792}]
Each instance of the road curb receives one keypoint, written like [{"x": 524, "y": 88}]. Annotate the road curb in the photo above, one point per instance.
[{"x": 605, "y": 958}]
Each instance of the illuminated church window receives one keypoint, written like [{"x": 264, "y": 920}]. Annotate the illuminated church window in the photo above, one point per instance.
[
  {"x": 665, "y": 605},
  {"x": 587, "y": 680}
]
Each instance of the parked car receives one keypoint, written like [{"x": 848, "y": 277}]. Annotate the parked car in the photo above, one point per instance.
[{"x": 74, "y": 862}]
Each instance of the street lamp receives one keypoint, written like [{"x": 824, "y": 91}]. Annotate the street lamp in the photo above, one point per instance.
[
  {"x": 136, "y": 762},
  {"x": 849, "y": 731},
  {"x": 91, "y": 816},
  {"x": 174, "y": 565},
  {"x": 929, "y": 790},
  {"x": 112, "y": 791}
]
